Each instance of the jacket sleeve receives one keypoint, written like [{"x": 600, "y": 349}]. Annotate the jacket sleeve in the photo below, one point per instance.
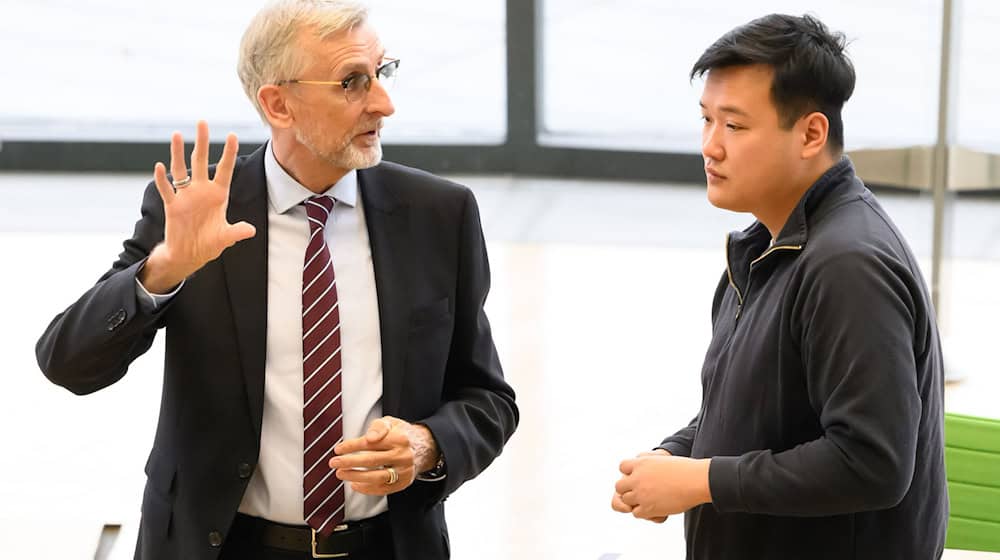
[
  {"x": 479, "y": 413},
  {"x": 856, "y": 320},
  {"x": 91, "y": 344},
  {"x": 680, "y": 443}
]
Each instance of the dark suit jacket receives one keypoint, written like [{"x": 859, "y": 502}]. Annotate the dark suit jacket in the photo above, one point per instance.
[{"x": 440, "y": 367}]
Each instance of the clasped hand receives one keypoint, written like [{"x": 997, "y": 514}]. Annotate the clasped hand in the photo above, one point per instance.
[
  {"x": 364, "y": 462},
  {"x": 656, "y": 485}
]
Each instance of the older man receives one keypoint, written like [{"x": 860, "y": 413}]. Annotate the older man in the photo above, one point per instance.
[{"x": 330, "y": 375}]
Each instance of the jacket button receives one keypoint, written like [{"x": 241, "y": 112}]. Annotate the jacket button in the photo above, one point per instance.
[
  {"x": 215, "y": 539},
  {"x": 116, "y": 319},
  {"x": 245, "y": 470}
]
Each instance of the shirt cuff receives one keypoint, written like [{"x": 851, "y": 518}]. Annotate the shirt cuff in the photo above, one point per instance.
[
  {"x": 439, "y": 472},
  {"x": 150, "y": 302},
  {"x": 425, "y": 478}
]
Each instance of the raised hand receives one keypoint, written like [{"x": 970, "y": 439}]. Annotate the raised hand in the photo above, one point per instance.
[{"x": 195, "y": 229}]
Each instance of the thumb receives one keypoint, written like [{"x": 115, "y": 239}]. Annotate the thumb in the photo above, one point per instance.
[
  {"x": 627, "y": 466},
  {"x": 238, "y": 232},
  {"x": 378, "y": 430}
]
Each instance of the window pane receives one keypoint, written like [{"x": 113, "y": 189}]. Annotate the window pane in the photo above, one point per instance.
[
  {"x": 118, "y": 70},
  {"x": 452, "y": 79},
  {"x": 978, "y": 82},
  {"x": 971, "y": 262},
  {"x": 616, "y": 74}
]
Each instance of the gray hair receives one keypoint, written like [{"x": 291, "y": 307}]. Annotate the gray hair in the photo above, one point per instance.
[{"x": 268, "y": 51}]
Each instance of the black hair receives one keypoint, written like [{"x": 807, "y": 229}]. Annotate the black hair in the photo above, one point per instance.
[{"x": 811, "y": 70}]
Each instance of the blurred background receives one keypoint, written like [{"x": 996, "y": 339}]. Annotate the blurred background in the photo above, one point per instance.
[{"x": 576, "y": 125}]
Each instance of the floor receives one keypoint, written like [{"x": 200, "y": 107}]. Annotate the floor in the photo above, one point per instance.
[{"x": 650, "y": 252}]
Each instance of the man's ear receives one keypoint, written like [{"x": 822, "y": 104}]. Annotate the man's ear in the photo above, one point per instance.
[
  {"x": 274, "y": 102},
  {"x": 814, "y": 129}
]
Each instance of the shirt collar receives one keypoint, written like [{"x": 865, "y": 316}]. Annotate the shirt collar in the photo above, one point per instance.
[{"x": 285, "y": 193}]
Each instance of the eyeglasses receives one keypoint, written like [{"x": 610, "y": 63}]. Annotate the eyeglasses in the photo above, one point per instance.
[{"x": 356, "y": 86}]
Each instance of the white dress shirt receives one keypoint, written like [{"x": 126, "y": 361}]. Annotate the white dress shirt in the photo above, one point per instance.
[{"x": 275, "y": 489}]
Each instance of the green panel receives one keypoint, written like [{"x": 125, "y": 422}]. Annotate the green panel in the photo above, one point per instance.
[
  {"x": 971, "y": 534},
  {"x": 970, "y": 432},
  {"x": 974, "y": 502},
  {"x": 972, "y": 459},
  {"x": 972, "y": 467}
]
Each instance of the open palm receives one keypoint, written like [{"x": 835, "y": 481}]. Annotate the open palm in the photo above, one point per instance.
[{"x": 196, "y": 230}]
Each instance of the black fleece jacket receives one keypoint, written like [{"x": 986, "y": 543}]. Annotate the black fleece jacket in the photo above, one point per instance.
[{"x": 822, "y": 403}]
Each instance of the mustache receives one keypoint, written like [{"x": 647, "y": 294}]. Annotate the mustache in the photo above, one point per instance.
[{"x": 374, "y": 125}]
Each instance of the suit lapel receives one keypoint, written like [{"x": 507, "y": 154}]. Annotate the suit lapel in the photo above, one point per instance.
[
  {"x": 245, "y": 266},
  {"x": 388, "y": 227}
]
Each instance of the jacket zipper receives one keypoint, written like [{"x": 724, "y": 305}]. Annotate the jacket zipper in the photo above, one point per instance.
[
  {"x": 729, "y": 273},
  {"x": 771, "y": 250}
]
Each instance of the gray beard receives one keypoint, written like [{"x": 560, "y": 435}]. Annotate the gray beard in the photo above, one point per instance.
[{"x": 348, "y": 157}]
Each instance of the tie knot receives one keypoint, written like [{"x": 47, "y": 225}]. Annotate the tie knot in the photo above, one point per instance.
[{"x": 318, "y": 208}]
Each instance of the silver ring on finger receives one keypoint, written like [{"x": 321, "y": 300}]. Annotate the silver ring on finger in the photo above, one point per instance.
[
  {"x": 393, "y": 476},
  {"x": 182, "y": 183}
]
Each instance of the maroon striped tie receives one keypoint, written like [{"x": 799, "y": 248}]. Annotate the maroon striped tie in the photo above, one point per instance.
[{"x": 322, "y": 412}]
